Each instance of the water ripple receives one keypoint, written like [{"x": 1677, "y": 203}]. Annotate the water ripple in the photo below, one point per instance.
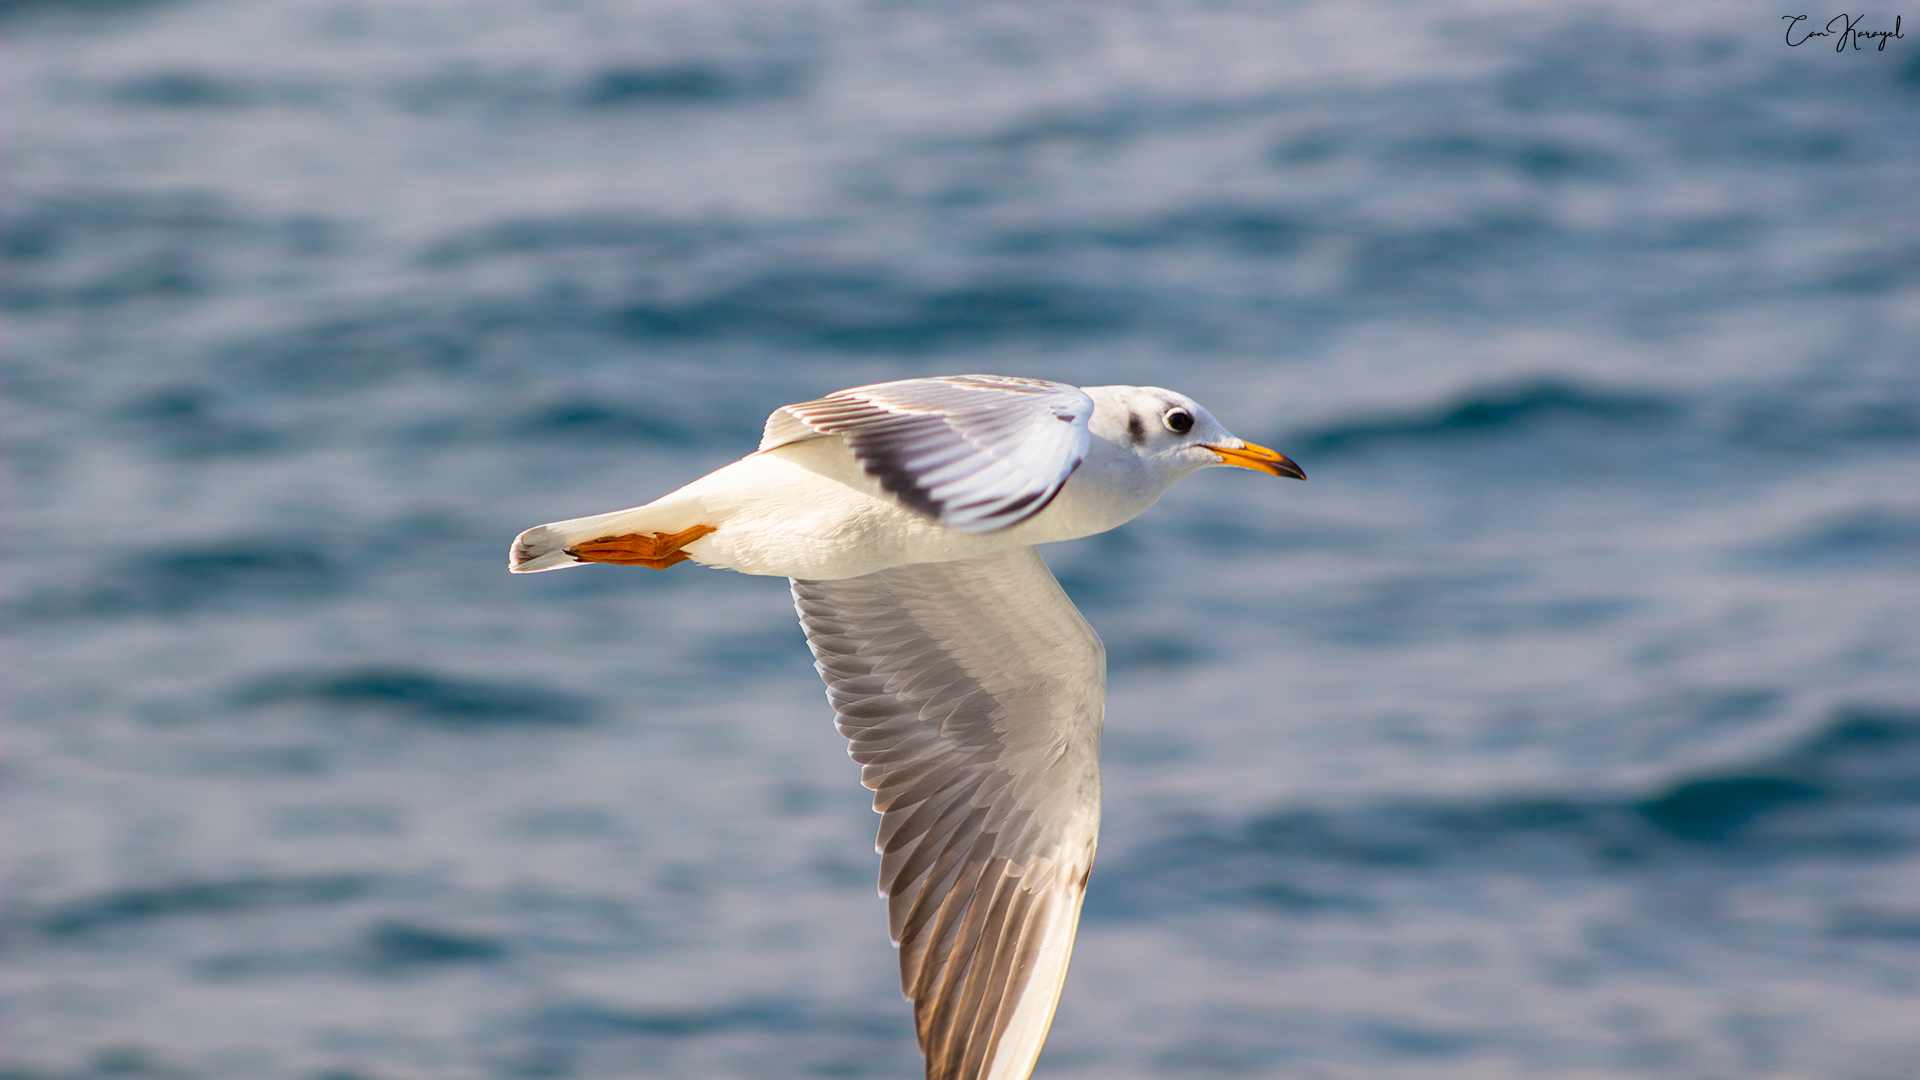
[
  {"x": 101, "y": 913},
  {"x": 1491, "y": 411},
  {"x": 181, "y": 580},
  {"x": 419, "y": 695},
  {"x": 1830, "y": 796}
]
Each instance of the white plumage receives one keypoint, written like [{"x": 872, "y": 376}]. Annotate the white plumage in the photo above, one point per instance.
[{"x": 969, "y": 688}]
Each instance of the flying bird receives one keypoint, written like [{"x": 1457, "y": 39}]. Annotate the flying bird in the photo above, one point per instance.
[{"x": 969, "y": 688}]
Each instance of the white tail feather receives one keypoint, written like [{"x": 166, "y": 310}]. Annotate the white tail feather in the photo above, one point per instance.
[{"x": 539, "y": 548}]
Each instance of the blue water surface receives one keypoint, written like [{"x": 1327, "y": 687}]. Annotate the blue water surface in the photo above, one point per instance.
[{"x": 1566, "y": 724}]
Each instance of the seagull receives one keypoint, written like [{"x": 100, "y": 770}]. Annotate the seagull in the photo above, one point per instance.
[{"x": 969, "y": 688}]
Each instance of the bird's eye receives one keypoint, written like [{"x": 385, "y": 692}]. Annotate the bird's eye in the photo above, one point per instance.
[{"x": 1179, "y": 421}]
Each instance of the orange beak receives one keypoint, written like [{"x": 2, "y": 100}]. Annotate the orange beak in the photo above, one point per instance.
[{"x": 1259, "y": 459}]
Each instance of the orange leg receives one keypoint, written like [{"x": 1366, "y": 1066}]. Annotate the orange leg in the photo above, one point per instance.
[{"x": 655, "y": 551}]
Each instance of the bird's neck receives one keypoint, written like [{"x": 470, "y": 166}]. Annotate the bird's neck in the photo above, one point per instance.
[{"x": 1110, "y": 488}]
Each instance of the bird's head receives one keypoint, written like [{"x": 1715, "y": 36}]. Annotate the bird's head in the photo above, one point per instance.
[{"x": 1175, "y": 435}]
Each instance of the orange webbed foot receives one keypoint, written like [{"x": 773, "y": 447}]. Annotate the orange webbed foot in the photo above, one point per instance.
[{"x": 655, "y": 551}]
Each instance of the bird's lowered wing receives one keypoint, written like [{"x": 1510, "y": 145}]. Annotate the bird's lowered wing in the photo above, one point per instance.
[
  {"x": 972, "y": 694},
  {"x": 975, "y": 452}
]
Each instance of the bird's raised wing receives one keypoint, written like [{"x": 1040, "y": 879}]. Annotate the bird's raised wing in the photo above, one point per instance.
[
  {"x": 974, "y": 452},
  {"x": 972, "y": 694}
]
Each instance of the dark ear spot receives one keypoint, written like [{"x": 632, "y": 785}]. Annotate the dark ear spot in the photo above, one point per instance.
[{"x": 1136, "y": 429}]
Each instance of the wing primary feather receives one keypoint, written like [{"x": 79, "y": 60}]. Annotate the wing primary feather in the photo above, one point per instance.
[{"x": 971, "y": 694}]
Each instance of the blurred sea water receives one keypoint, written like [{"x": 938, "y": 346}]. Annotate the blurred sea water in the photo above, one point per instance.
[{"x": 1566, "y": 724}]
